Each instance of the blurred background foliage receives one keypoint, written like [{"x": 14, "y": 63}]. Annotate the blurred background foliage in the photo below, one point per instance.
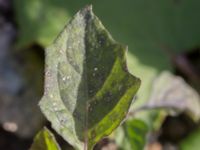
[{"x": 163, "y": 37}]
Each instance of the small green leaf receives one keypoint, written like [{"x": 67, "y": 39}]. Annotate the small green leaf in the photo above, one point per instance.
[
  {"x": 88, "y": 89},
  {"x": 44, "y": 140},
  {"x": 134, "y": 135},
  {"x": 136, "y": 131},
  {"x": 191, "y": 142}
]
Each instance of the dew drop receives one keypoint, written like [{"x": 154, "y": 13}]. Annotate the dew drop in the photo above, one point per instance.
[
  {"x": 95, "y": 69},
  {"x": 51, "y": 96},
  {"x": 64, "y": 78},
  {"x": 79, "y": 42},
  {"x": 61, "y": 51},
  {"x": 54, "y": 104},
  {"x": 56, "y": 109},
  {"x": 68, "y": 77}
]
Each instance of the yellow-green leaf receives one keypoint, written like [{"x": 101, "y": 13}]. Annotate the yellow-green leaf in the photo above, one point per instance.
[{"x": 44, "y": 140}]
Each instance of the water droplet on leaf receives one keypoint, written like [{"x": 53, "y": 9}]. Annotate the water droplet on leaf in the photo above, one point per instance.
[
  {"x": 68, "y": 77},
  {"x": 54, "y": 104}
]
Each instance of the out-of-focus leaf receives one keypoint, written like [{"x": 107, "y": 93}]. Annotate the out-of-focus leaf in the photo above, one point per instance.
[
  {"x": 191, "y": 142},
  {"x": 133, "y": 135},
  {"x": 44, "y": 140},
  {"x": 88, "y": 89},
  {"x": 173, "y": 93},
  {"x": 39, "y": 20}
]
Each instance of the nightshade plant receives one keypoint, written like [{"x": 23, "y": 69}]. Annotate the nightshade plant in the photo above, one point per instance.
[{"x": 88, "y": 89}]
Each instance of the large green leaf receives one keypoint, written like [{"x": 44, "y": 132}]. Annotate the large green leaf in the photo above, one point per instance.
[
  {"x": 44, "y": 140},
  {"x": 88, "y": 89}
]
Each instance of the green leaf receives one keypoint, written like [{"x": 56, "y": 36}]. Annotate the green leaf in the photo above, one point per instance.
[
  {"x": 88, "y": 89},
  {"x": 191, "y": 142},
  {"x": 44, "y": 140},
  {"x": 133, "y": 135}
]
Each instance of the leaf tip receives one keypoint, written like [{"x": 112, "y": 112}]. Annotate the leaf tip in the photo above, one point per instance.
[{"x": 87, "y": 9}]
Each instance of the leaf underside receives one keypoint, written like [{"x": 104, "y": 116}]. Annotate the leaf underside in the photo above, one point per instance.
[
  {"x": 88, "y": 89},
  {"x": 173, "y": 93}
]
